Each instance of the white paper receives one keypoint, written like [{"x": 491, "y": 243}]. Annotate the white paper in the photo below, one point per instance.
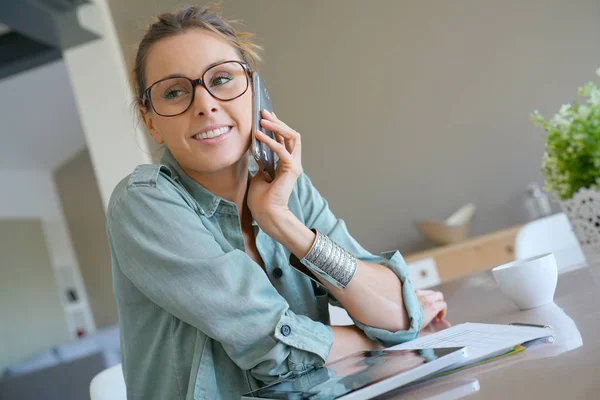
[{"x": 481, "y": 340}]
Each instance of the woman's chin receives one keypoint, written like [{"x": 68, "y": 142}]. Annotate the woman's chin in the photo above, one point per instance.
[{"x": 224, "y": 163}]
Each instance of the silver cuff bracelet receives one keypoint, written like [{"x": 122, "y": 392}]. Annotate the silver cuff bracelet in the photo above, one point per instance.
[{"x": 332, "y": 259}]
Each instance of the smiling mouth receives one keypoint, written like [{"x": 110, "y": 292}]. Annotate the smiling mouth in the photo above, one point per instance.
[{"x": 212, "y": 134}]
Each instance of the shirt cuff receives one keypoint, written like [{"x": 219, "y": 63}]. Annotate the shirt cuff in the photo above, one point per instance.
[
  {"x": 314, "y": 339},
  {"x": 395, "y": 261}
]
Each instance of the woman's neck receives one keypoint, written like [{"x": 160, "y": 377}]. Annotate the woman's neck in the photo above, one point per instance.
[{"x": 230, "y": 183}]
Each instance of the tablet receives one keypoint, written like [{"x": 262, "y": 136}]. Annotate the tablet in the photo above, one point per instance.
[
  {"x": 449, "y": 389},
  {"x": 361, "y": 375}
]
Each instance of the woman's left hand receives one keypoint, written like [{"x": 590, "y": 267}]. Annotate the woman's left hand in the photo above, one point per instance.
[
  {"x": 269, "y": 200},
  {"x": 433, "y": 304}
]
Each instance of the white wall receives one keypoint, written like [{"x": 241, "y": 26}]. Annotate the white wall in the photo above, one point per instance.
[
  {"x": 40, "y": 127},
  {"x": 32, "y": 194},
  {"x": 99, "y": 78}
]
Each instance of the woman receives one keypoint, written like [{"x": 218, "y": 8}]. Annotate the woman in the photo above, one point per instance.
[{"x": 209, "y": 306}]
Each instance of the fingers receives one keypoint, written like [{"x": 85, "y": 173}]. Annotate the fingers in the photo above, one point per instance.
[
  {"x": 432, "y": 312},
  {"x": 440, "y": 325},
  {"x": 423, "y": 291},
  {"x": 443, "y": 311},
  {"x": 290, "y": 136},
  {"x": 437, "y": 308},
  {"x": 429, "y": 296},
  {"x": 270, "y": 116},
  {"x": 433, "y": 304},
  {"x": 276, "y": 146},
  {"x": 286, "y": 131}
]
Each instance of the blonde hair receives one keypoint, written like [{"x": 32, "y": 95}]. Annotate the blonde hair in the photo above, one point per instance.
[{"x": 177, "y": 23}]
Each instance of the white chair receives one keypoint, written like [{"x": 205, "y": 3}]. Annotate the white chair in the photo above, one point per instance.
[
  {"x": 109, "y": 385},
  {"x": 552, "y": 234}
]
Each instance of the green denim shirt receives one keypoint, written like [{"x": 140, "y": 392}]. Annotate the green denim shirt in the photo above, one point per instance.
[{"x": 199, "y": 318}]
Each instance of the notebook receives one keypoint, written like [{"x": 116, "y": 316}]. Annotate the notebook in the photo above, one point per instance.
[{"x": 482, "y": 341}]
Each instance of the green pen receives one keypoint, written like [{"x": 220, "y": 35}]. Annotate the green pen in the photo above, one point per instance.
[{"x": 531, "y": 325}]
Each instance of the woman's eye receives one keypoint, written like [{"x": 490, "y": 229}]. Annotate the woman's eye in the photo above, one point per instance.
[
  {"x": 173, "y": 94},
  {"x": 221, "y": 80}
]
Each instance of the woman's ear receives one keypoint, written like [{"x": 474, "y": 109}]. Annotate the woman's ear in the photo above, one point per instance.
[{"x": 148, "y": 118}]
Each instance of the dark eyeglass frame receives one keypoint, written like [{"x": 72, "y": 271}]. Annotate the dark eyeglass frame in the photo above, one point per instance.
[{"x": 195, "y": 82}]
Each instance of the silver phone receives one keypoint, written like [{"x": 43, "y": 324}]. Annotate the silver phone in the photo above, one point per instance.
[{"x": 262, "y": 153}]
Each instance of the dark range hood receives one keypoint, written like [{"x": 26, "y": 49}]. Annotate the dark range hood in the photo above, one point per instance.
[{"x": 40, "y": 30}]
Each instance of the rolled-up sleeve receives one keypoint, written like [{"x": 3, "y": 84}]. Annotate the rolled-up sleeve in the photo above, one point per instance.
[
  {"x": 316, "y": 214},
  {"x": 164, "y": 248}
]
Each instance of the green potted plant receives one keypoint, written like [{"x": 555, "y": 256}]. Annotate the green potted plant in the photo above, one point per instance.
[{"x": 571, "y": 164}]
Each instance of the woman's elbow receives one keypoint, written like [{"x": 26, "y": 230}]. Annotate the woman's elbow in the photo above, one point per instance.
[{"x": 400, "y": 320}]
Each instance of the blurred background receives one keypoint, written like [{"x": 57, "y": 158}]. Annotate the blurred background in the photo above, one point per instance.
[{"x": 408, "y": 111}]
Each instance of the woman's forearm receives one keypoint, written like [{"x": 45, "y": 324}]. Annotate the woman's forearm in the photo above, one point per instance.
[
  {"x": 348, "y": 340},
  {"x": 373, "y": 296}
]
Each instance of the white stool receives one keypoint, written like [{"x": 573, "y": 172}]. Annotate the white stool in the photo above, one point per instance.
[{"x": 109, "y": 385}]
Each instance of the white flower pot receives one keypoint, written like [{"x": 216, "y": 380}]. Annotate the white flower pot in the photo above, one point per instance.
[{"x": 583, "y": 211}]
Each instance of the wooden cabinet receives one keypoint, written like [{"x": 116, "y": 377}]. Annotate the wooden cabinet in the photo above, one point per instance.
[{"x": 453, "y": 261}]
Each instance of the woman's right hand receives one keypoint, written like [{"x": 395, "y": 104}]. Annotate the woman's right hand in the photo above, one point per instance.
[
  {"x": 433, "y": 305},
  {"x": 268, "y": 201}
]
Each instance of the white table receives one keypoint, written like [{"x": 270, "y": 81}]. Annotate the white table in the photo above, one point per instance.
[{"x": 567, "y": 369}]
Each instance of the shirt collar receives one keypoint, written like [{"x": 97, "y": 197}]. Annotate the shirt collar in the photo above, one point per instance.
[{"x": 207, "y": 201}]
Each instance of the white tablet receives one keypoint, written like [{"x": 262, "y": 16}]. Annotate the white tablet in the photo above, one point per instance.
[{"x": 361, "y": 375}]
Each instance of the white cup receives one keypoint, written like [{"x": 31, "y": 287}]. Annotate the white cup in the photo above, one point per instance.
[{"x": 529, "y": 283}]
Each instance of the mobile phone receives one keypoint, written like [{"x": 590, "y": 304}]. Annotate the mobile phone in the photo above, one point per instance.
[{"x": 262, "y": 153}]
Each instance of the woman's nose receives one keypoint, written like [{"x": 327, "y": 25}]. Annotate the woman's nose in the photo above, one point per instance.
[{"x": 204, "y": 103}]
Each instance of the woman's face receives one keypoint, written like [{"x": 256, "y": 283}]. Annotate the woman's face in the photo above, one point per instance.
[{"x": 189, "y": 55}]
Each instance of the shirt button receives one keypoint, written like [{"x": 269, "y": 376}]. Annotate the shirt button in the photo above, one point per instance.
[
  {"x": 286, "y": 330},
  {"x": 277, "y": 272}
]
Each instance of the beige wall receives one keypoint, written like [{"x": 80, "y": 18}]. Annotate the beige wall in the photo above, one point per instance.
[
  {"x": 410, "y": 109},
  {"x": 31, "y": 311},
  {"x": 82, "y": 205}
]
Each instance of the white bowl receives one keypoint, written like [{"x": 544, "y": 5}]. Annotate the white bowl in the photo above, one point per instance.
[{"x": 529, "y": 283}]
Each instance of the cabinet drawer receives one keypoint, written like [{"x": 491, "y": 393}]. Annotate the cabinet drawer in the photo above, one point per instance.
[
  {"x": 424, "y": 273},
  {"x": 454, "y": 264},
  {"x": 473, "y": 255},
  {"x": 495, "y": 252}
]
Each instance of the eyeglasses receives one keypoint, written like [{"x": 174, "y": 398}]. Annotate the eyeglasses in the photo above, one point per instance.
[{"x": 173, "y": 96}]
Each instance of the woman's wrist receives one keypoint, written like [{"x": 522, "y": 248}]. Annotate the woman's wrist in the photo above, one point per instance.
[{"x": 288, "y": 230}]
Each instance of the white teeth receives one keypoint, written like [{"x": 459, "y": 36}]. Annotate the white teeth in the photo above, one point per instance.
[{"x": 212, "y": 134}]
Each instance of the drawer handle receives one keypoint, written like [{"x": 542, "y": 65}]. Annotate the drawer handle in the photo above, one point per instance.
[
  {"x": 424, "y": 273},
  {"x": 510, "y": 248}
]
